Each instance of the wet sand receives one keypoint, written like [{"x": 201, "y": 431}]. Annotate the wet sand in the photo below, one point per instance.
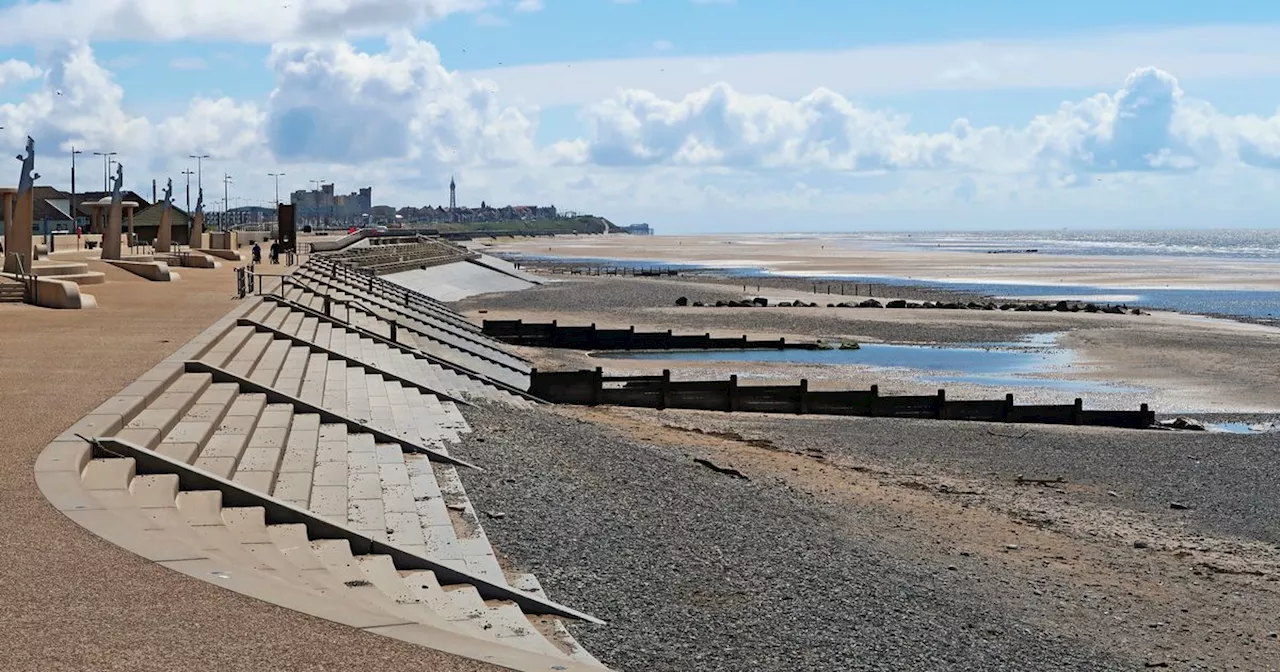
[
  {"x": 824, "y": 257},
  {"x": 1180, "y": 363}
]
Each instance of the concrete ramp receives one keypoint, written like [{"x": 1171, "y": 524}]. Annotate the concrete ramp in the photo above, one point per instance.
[
  {"x": 506, "y": 268},
  {"x": 457, "y": 281}
]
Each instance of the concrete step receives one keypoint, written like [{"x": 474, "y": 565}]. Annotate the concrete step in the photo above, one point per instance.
[
  {"x": 237, "y": 548},
  {"x": 148, "y": 427},
  {"x": 202, "y": 419},
  {"x": 222, "y": 452}
]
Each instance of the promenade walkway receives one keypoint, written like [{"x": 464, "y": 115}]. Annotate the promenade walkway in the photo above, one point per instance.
[{"x": 72, "y": 601}]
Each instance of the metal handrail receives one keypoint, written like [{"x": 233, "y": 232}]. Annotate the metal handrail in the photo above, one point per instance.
[{"x": 28, "y": 280}]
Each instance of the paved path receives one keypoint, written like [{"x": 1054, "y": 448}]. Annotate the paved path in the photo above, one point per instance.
[{"x": 74, "y": 602}]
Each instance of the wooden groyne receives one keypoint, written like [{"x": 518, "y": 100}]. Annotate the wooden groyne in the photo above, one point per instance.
[
  {"x": 554, "y": 335},
  {"x": 592, "y": 388}
]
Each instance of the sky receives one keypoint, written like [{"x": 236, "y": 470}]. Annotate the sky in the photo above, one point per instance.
[{"x": 696, "y": 116}]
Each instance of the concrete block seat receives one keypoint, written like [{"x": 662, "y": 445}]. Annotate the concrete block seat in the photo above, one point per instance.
[
  {"x": 349, "y": 342},
  {"x": 427, "y": 324},
  {"x": 68, "y": 271},
  {"x": 485, "y": 359},
  {"x": 298, "y": 565}
]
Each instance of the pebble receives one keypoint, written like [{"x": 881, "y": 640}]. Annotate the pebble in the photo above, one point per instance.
[{"x": 603, "y": 521}]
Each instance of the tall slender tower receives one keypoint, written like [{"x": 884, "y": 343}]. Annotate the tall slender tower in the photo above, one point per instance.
[{"x": 453, "y": 200}]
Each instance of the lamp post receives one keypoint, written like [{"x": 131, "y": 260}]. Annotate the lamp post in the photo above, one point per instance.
[
  {"x": 188, "y": 172},
  {"x": 199, "y": 163},
  {"x": 75, "y": 216},
  {"x": 226, "y": 190},
  {"x": 277, "y": 177},
  {"x": 106, "y": 168}
]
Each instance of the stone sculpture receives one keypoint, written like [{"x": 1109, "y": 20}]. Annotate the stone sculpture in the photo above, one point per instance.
[
  {"x": 197, "y": 221},
  {"x": 17, "y": 238},
  {"x": 164, "y": 237},
  {"x": 27, "y": 179},
  {"x": 115, "y": 215}
]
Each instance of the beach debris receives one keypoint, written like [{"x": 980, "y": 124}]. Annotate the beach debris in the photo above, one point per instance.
[
  {"x": 1022, "y": 480},
  {"x": 1139, "y": 544},
  {"x": 1179, "y": 506},
  {"x": 727, "y": 471},
  {"x": 496, "y": 515},
  {"x": 1188, "y": 424},
  {"x": 682, "y": 301},
  {"x": 1010, "y": 547},
  {"x": 850, "y": 345}
]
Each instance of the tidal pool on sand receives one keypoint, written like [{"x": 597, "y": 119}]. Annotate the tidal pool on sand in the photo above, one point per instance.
[{"x": 991, "y": 364}]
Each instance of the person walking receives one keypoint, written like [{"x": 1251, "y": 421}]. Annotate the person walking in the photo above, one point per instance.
[
  {"x": 275, "y": 252},
  {"x": 257, "y": 254}
]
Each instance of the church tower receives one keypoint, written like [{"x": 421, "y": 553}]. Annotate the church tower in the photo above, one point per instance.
[{"x": 453, "y": 199}]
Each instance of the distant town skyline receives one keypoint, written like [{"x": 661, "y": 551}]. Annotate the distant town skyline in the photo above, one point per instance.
[{"x": 694, "y": 116}]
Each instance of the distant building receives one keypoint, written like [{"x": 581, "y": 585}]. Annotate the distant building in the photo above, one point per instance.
[
  {"x": 323, "y": 205},
  {"x": 247, "y": 216},
  {"x": 638, "y": 229}
]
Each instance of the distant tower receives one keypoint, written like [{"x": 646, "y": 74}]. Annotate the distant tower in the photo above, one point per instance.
[{"x": 453, "y": 199}]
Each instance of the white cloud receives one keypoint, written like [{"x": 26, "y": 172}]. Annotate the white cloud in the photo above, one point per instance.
[
  {"x": 1148, "y": 125},
  {"x": 529, "y": 6},
  {"x": 1068, "y": 62},
  {"x": 333, "y": 103},
  {"x": 398, "y": 119},
  {"x": 234, "y": 20},
  {"x": 14, "y": 71},
  {"x": 79, "y": 103}
]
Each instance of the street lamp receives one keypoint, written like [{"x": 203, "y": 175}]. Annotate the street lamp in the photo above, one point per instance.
[
  {"x": 188, "y": 172},
  {"x": 277, "y": 176},
  {"x": 199, "y": 162},
  {"x": 226, "y": 187},
  {"x": 74, "y": 215},
  {"x": 106, "y": 168}
]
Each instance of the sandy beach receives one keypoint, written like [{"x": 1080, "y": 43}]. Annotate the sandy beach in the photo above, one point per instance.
[
  {"x": 1177, "y": 363},
  {"x": 813, "y": 256}
]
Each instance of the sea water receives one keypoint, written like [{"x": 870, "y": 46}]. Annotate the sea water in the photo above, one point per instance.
[
  {"x": 1020, "y": 365},
  {"x": 1224, "y": 245}
]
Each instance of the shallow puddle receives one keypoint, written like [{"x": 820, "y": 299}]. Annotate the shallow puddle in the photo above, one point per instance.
[{"x": 991, "y": 364}]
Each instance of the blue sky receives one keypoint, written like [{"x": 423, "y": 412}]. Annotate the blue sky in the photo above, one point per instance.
[{"x": 969, "y": 111}]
